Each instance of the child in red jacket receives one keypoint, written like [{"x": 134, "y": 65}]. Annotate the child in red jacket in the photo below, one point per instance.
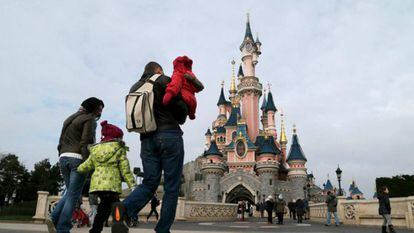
[{"x": 185, "y": 82}]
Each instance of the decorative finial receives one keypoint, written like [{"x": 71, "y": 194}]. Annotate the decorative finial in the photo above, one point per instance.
[
  {"x": 294, "y": 128},
  {"x": 233, "y": 89},
  {"x": 269, "y": 85},
  {"x": 283, "y": 138},
  {"x": 248, "y": 17},
  {"x": 222, "y": 84}
]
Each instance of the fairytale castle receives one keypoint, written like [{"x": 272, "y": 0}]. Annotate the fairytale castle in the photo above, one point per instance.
[{"x": 245, "y": 156}]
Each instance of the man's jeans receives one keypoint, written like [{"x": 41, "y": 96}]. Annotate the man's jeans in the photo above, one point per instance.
[
  {"x": 162, "y": 151},
  {"x": 74, "y": 181},
  {"x": 328, "y": 218}
]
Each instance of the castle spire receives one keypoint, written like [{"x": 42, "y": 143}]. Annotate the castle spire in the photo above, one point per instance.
[
  {"x": 283, "y": 138},
  {"x": 296, "y": 152},
  {"x": 270, "y": 105},
  {"x": 248, "y": 33},
  {"x": 264, "y": 103},
  {"x": 233, "y": 89},
  {"x": 222, "y": 100}
]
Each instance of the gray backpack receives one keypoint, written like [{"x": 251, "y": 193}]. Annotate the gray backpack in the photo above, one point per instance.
[{"x": 139, "y": 106}]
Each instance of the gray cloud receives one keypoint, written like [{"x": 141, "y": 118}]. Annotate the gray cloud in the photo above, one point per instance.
[{"x": 341, "y": 70}]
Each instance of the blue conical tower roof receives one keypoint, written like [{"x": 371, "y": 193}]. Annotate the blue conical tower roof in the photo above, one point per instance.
[
  {"x": 240, "y": 73},
  {"x": 263, "y": 107},
  {"x": 213, "y": 150},
  {"x": 270, "y": 105},
  {"x": 296, "y": 152},
  {"x": 234, "y": 116},
  {"x": 268, "y": 146},
  {"x": 208, "y": 133},
  {"x": 222, "y": 100},
  {"x": 328, "y": 186}
]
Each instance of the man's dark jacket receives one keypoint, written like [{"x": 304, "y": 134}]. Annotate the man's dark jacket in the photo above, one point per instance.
[
  {"x": 78, "y": 132},
  {"x": 167, "y": 117},
  {"x": 384, "y": 204}
]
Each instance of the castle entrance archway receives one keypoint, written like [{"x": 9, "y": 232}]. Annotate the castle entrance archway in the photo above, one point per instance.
[{"x": 240, "y": 193}]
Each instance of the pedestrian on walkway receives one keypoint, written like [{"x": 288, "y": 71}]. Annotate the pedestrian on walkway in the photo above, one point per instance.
[
  {"x": 110, "y": 166},
  {"x": 292, "y": 209},
  {"x": 331, "y": 203},
  {"x": 269, "y": 209},
  {"x": 307, "y": 209},
  {"x": 262, "y": 208},
  {"x": 385, "y": 209},
  {"x": 280, "y": 206},
  {"x": 239, "y": 210},
  {"x": 154, "y": 203},
  {"x": 161, "y": 150},
  {"x": 300, "y": 209},
  {"x": 78, "y": 132}
]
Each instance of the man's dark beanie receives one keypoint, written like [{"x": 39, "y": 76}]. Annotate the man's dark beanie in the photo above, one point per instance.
[{"x": 92, "y": 104}]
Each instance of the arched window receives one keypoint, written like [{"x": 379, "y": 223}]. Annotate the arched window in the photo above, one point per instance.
[
  {"x": 270, "y": 182},
  {"x": 208, "y": 187}
]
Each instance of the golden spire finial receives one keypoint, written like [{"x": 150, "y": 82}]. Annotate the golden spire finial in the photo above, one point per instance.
[
  {"x": 233, "y": 89},
  {"x": 283, "y": 138}
]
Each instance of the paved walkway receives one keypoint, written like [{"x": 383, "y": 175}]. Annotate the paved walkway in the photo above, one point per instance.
[{"x": 219, "y": 227}]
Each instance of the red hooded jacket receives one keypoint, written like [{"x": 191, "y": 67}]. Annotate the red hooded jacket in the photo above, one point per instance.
[{"x": 179, "y": 84}]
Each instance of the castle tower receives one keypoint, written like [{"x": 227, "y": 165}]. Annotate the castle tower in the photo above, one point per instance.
[
  {"x": 271, "y": 110},
  {"x": 267, "y": 166},
  {"x": 250, "y": 89},
  {"x": 297, "y": 170},
  {"x": 222, "y": 105},
  {"x": 283, "y": 139},
  {"x": 212, "y": 169}
]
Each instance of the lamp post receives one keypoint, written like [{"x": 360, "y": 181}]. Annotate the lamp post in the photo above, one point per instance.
[{"x": 339, "y": 175}]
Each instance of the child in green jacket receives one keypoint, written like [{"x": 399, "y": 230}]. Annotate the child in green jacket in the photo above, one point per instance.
[{"x": 110, "y": 167}]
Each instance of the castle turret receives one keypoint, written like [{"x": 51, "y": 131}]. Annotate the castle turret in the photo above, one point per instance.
[
  {"x": 208, "y": 139},
  {"x": 250, "y": 89},
  {"x": 212, "y": 168},
  {"x": 297, "y": 170},
  {"x": 263, "y": 108},
  {"x": 223, "y": 105},
  {"x": 271, "y": 110}
]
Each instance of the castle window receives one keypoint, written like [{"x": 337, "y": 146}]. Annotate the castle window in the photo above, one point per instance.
[
  {"x": 208, "y": 187},
  {"x": 270, "y": 182}
]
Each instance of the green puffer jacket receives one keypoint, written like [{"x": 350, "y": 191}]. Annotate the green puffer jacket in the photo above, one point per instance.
[{"x": 109, "y": 162}]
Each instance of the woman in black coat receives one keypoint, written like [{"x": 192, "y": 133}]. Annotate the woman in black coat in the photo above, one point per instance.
[
  {"x": 269, "y": 209},
  {"x": 300, "y": 210},
  {"x": 385, "y": 209}
]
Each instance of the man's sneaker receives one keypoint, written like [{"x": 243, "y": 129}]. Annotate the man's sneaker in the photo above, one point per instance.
[
  {"x": 50, "y": 225},
  {"x": 118, "y": 216}
]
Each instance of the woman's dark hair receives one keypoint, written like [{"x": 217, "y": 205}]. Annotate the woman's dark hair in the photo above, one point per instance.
[
  {"x": 382, "y": 189},
  {"x": 151, "y": 67},
  {"x": 92, "y": 104}
]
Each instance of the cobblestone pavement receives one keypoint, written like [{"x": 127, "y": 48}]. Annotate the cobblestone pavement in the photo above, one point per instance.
[{"x": 204, "y": 227}]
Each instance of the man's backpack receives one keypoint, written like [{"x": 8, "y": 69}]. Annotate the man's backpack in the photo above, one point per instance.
[{"x": 139, "y": 106}]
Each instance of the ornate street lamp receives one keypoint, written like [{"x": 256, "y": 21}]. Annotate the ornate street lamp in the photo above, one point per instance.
[{"x": 339, "y": 175}]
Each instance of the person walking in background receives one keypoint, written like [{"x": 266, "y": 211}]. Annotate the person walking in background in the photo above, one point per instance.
[
  {"x": 78, "y": 132},
  {"x": 280, "y": 206},
  {"x": 307, "y": 209},
  {"x": 162, "y": 150},
  {"x": 269, "y": 209},
  {"x": 300, "y": 209},
  {"x": 262, "y": 208},
  {"x": 292, "y": 209},
  {"x": 154, "y": 203},
  {"x": 239, "y": 210},
  {"x": 385, "y": 209},
  {"x": 110, "y": 165},
  {"x": 331, "y": 203}
]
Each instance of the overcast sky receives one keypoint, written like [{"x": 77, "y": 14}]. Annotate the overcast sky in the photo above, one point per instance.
[{"x": 342, "y": 71}]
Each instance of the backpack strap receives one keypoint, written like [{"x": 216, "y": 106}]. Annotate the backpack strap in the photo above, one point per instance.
[{"x": 148, "y": 83}]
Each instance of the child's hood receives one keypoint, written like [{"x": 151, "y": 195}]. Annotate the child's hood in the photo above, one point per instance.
[
  {"x": 104, "y": 151},
  {"x": 183, "y": 63}
]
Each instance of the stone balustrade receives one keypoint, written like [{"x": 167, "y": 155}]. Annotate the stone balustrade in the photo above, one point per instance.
[
  {"x": 186, "y": 210},
  {"x": 365, "y": 212}
]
